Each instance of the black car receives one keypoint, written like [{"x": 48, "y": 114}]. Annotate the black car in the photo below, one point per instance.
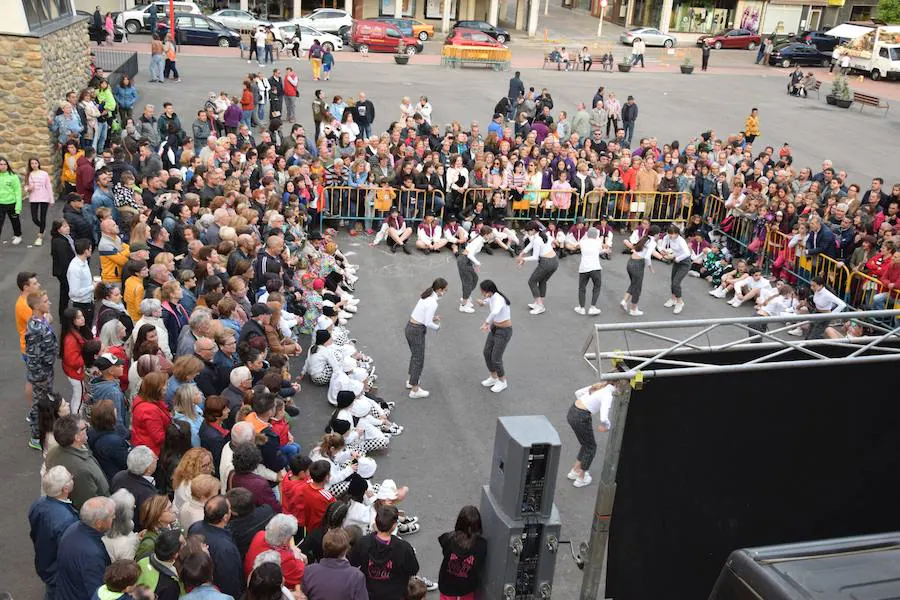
[
  {"x": 819, "y": 39},
  {"x": 200, "y": 30},
  {"x": 501, "y": 35},
  {"x": 798, "y": 53},
  {"x": 99, "y": 35}
]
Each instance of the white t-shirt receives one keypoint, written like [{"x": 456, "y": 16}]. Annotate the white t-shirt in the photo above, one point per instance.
[
  {"x": 590, "y": 255},
  {"x": 597, "y": 402}
]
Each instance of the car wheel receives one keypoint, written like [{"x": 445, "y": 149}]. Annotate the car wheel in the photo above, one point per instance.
[
  {"x": 825, "y": 62},
  {"x": 876, "y": 74},
  {"x": 328, "y": 46},
  {"x": 501, "y": 38},
  {"x": 362, "y": 48},
  {"x": 668, "y": 43},
  {"x": 224, "y": 42},
  {"x": 717, "y": 45},
  {"x": 423, "y": 36},
  {"x": 751, "y": 45},
  {"x": 133, "y": 27},
  {"x": 410, "y": 50},
  {"x": 786, "y": 63},
  {"x": 635, "y": 40},
  {"x": 279, "y": 45}
]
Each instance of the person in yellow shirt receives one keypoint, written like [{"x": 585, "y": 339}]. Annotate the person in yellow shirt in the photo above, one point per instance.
[
  {"x": 136, "y": 271},
  {"x": 751, "y": 126},
  {"x": 28, "y": 284},
  {"x": 113, "y": 253}
]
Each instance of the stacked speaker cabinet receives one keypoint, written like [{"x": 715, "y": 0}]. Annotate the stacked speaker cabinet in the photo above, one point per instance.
[{"x": 520, "y": 521}]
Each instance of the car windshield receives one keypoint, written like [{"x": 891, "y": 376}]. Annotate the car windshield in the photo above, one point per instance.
[{"x": 895, "y": 53}]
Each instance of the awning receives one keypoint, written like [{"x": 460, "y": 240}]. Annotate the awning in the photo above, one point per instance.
[{"x": 848, "y": 31}]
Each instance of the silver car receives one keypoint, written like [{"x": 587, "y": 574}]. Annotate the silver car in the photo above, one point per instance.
[
  {"x": 650, "y": 35},
  {"x": 237, "y": 19}
]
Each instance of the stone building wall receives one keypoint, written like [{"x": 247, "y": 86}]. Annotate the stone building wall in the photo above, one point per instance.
[{"x": 34, "y": 78}]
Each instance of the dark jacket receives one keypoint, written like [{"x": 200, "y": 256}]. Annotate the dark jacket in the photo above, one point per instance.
[
  {"x": 364, "y": 113},
  {"x": 174, "y": 317},
  {"x": 387, "y": 567},
  {"x": 209, "y": 379},
  {"x": 821, "y": 242},
  {"x": 516, "y": 88},
  {"x": 250, "y": 331},
  {"x": 48, "y": 518},
  {"x": 259, "y": 487},
  {"x": 629, "y": 112},
  {"x": 235, "y": 398},
  {"x": 110, "y": 448},
  {"x": 334, "y": 578},
  {"x": 228, "y": 573},
  {"x": 61, "y": 253},
  {"x": 109, "y": 389},
  {"x": 244, "y": 528},
  {"x": 159, "y": 578},
  {"x": 213, "y": 440},
  {"x": 80, "y": 227},
  {"x": 81, "y": 560},
  {"x": 140, "y": 488}
]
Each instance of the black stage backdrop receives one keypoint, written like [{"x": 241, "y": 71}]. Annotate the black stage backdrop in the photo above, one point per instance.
[{"x": 714, "y": 463}]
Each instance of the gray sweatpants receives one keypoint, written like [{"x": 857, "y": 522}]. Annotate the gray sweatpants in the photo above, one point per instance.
[
  {"x": 494, "y": 347},
  {"x": 289, "y": 107},
  {"x": 635, "y": 270},
  {"x": 542, "y": 273},
  {"x": 679, "y": 272},
  {"x": 593, "y": 277},
  {"x": 467, "y": 275},
  {"x": 415, "y": 337}
]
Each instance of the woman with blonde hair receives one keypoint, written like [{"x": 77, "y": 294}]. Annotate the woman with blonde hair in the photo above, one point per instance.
[
  {"x": 140, "y": 233},
  {"x": 195, "y": 462},
  {"x": 184, "y": 370},
  {"x": 157, "y": 514},
  {"x": 186, "y": 408},
  {"x": 167, "y": 259},
  {"x": 203, "y": 487}
]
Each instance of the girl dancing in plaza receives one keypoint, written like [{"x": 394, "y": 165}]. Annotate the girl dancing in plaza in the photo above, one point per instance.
[
  {"x": 422, "y": 319},
  {"x": 498, "y": 326},
  {"x": 540, "y": 244},
  {"x": 588, "y": 402},
  {"x": 673, "y": 248},
  {"x": 641, "y": 254},
  {"x": 467, "y": 264}
]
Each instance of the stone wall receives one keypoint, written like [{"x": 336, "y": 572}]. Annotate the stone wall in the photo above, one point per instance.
[{"x": 34, "y": 79}]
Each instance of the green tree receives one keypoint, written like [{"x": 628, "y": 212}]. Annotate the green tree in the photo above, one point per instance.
[{"x": 888, "y": 11}]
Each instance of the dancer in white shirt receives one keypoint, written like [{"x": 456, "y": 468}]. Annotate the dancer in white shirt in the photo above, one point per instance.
[
  {"x": 422, "y": 319},
  {"x": 468, "y": 265},
  {"x": 540, "y": 244},
  {"x": 589, "y": 270},
  {"x": 588, "y": 402},
  {"x": 430, "y": 238},
  {"x": 641, "y": 254},
  {"x": 498, "y": 326},
  {"x": 673, "y": 248}
]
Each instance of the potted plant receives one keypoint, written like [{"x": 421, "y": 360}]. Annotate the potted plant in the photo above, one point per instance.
[
  {"x": 840, "y": 90},
  {"x": 687, "y": 66},
  {"x": 401, "y": 57},
  {"x": 625, "y": 64}
]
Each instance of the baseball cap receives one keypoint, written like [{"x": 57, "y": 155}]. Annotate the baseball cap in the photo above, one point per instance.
[{"x": 107, "y": 360}]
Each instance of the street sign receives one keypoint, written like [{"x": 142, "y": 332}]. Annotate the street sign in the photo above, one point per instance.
[{"x": 604, "y": 3}]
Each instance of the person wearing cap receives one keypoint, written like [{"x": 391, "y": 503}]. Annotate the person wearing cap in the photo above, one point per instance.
[
  {"x": 106, "y": 385},
  {"x": 254, "y": 330},
  {"x": 455, "y": 235},
  {"x": 629, "y": 116},
  {"x": 429, "y": 238}
]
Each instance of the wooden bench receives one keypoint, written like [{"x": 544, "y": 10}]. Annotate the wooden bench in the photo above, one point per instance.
[
  {"x": 873, "y": 101},
  {"x": 815, "y": 89},
  {"x": 574, "y": 63}
]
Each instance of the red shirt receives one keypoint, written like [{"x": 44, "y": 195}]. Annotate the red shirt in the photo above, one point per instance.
[
  {"x": 148, "y": 424},
  {"x": 315, "y": 501},
  {"x": 282, "y": 429},
  {"x": 292, "y": 497},
  {"x": 291, "y": 567},
  {"x": 891, "y": 275}
]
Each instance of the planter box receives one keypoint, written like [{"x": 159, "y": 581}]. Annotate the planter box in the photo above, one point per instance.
[
  {"x": 843, "y": 103},
  {"x": 401, "y": 59},
  {"x": 624, "y": 68},
  {"x": 687, "y": 69},
  {"x": 831, "y": 100}
]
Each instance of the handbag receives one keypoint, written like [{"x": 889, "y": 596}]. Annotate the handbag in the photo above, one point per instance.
[{"x": 727, "y": 224}]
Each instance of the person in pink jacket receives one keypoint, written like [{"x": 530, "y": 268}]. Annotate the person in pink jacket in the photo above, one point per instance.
[{"x": 40, "y": 196}]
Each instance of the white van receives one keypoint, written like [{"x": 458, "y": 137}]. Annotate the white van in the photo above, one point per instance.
[
  {"x": 877, "y": 52},
  {"x": 138, "y": 19}
]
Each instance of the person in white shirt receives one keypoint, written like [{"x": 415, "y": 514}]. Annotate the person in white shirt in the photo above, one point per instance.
[
  {"x": 424, "y": 109},
  {"x": 781, "y": 302},
  {"x": 81, "y": 282},
  {"x": 467, "y": 264},
  {"x": 574, "y": 235},
  {"x": 541, "y": 246},
  {"x": 606, "y": 238},
  {"x": 673, "y": 248},
  {"x": 750, "y": 288},
  {"x": 589, "y": 270},
  {"x": 260, "y": 38},
  {"x": 455, "y": 235},
  {"x": 429, "y": 236},
  {"x": 588, "y": 402},
  {"x": 498, "y": 326},
  {"x": 641, "y": 254},
  {"x": 824, "y": 302},
  {"x": 424, "y": 317}
]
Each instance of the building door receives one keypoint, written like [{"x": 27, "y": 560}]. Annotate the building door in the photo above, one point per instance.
[
  {"x": 815, "y": 17},
  {"x": 358, "y": 9}
]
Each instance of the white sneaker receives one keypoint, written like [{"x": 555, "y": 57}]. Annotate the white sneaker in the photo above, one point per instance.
[
  {"x": 538, "y": 309},
  {"x": 669, "y": 303},
  {"x": 344, "y": 314},
  {"x": 713, "y": 291},
  {"x": 580, "y": 310},
  {"x": 679, "y": 306},
  {"x": 624, "y": 305},
  {"x": 720, "y": 293},
  {"x": 39, "y": 241},
  {"x": 465, "y": 308},
  {"x": 735, "y": 302},
  {"x": 499, "y": 386},
  {"x": 636, "y": 313},
  {"x": 17, "y": 240},
  {"x": 593, "y": 310},
  {"x": 694, "y": 273},
  {"x": 584, "y": 481},
  {"x": 350, "y": 308},
  {"x": 342, "y": 321},
  {"x": 798, "y": 331},
  {"x": 420, "y": 393},
  {"x": 408, "y": 385},
  {"x": 533, "y": 305},
  {"x": 572, "y": 475},
  {"x": 489, "y": 382}
]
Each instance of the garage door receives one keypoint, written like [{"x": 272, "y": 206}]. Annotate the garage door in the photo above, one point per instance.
[{"x": 781, "y": 18}]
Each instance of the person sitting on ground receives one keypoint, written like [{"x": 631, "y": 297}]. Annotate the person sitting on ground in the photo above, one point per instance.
[
  {"x": 737, "y": 273},
  {"x": 749, "y": 288}
]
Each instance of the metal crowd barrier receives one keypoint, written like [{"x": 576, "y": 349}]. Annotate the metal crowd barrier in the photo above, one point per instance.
[{"x": 369, "y": 203}]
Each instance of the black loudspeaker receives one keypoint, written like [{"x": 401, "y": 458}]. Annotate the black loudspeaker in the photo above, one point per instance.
[
  {"x": 523, "y": 471},
  {"x": 521, "y": 554}
]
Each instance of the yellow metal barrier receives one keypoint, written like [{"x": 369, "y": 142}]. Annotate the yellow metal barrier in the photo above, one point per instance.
[
  {"x": 367, "y": 202},
  {"x": 836, "y": 274},
  {"x": 457, "y": 56},
  {"x": 863, "y": 288},
  {"x": 714, "y": 209},
  {"x": 634, "y": 207}
]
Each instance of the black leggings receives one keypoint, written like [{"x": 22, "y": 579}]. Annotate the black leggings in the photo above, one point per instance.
[
  {"x": 39, "y": 215},
  {"x": 170, "y": 68},
  {"x": 10, "y": 209},
  {"x": 583, "y": 279}
]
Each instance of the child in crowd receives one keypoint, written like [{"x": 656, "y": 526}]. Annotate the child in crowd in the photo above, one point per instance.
[
  {"x": 292, "y": 488},
  {"x": 281, "y": 427},
  {"x": 119, "y": 580}
]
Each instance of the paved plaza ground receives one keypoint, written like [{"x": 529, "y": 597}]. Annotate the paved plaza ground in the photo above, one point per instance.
[{"x": 444, "y": 453}]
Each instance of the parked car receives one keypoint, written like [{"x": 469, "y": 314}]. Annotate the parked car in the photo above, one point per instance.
[
  {"x": 798, "y": 53},
  {"x": 237, "y": 19},
  {"x": 284, "y": 32},
  {"x": 501, "y": 35},
  {"x": 410, "y": 27},
  {"x": 819, "y": 39},
  {"x": 735, "y": 38},
  {"x": 329, "y": 20},
  {"x": 472, "y": 37},
  {"x": 138, "y": 19},
  {"x": 369, "y": 35},
  {"x": 651, "y": 37},
  {"x": 99, "y": 35},
  {"x": 200, "y": 30}
]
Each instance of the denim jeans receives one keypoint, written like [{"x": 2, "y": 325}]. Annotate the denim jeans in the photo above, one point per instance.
[
  {"x": 156, "y": 67},
  {"x": 269, "y": 53},
  {"x": 628, "y": 126},
  {"x": 100, "y": 136},
  {"x": 261, "y": 112},
  {"x": 365, "y": 130},
  {"x": 246, "y": 117}
]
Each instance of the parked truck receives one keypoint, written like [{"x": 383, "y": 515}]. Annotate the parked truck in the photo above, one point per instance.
[{"x": 877, "y": 52}]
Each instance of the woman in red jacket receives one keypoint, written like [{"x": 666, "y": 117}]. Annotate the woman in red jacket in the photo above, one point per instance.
[
  {"x": 150, "y": 414},
  {"x": 73, "y": 330}
]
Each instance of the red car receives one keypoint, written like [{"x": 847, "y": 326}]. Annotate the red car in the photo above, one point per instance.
[
  {"x": 471, "y": 37},
  {"x": 736, "y": 38}
]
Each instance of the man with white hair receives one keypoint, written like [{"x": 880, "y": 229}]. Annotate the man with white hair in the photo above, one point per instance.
[
  {"x": 199, "y": 325},
  {"x": 151, "y": 314},
  {"x": 159, "y": 274},
  {"x": 49, "y": 517},
  {"x": 209, "y": 150},
  {"x": 221, "y": 218},
  {"x": 82, "y": 557},
  {"x": 137, "y": 478},
  {"x": 241, "y": 433},
  {"x": 241, "y": 381}
]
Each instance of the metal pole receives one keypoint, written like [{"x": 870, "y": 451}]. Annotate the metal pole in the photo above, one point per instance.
[
  {"x": 606, "y": 493},
  {"x": 600, "y": 24}
]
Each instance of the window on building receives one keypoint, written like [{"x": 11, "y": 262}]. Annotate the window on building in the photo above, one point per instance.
[{"x": 39, "y": 13}]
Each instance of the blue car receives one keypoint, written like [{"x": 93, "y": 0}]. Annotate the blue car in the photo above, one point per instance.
[
  {"x": 798, "y": 53},
  {"x": 200, "y": 30}
]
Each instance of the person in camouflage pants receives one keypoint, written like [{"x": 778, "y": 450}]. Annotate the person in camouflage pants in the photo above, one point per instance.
[{"x": 41, "y": 350}]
